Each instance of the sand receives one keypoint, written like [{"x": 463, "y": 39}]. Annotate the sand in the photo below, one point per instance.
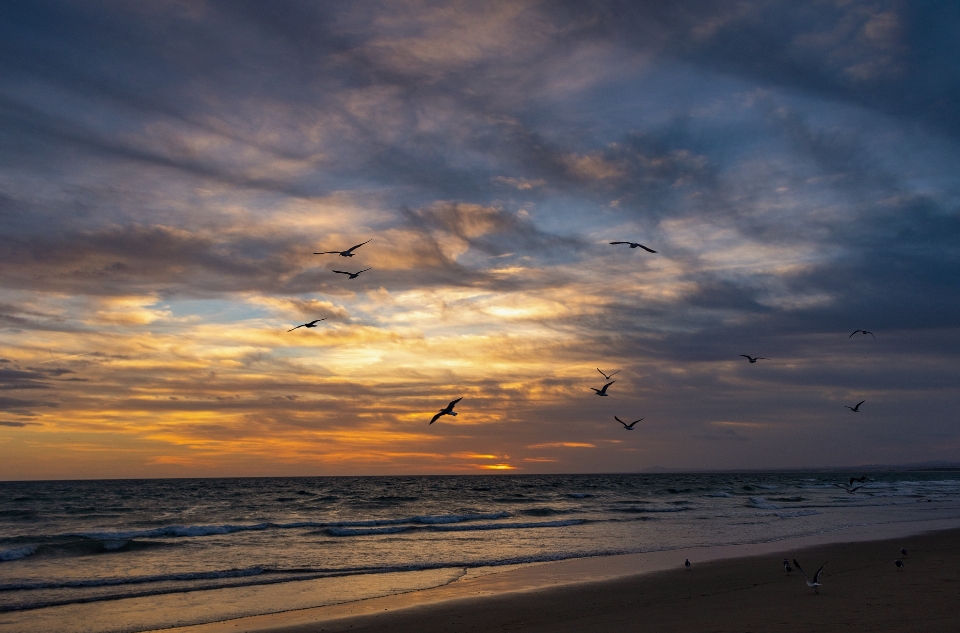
[{"x": 862, "y": 591}]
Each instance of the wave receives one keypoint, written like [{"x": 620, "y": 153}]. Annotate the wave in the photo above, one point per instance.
[
  {"x": 212, "y": 530},
  {"x": 17, "y": 553},
  {"x": 798, "y": 513},
  {"x": 341, "y": 531},
  {"x": 760, "y": 502},
  {"x": 638, "y": 510}
]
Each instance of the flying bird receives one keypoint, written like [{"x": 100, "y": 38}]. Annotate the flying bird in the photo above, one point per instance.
[
  {"x": 603, "y": 391},
  {"x": 447, "y": 410},
  {"x": 346, "y": 253},
  {"x": 850, "y": 490},
  {"x": 899, "y": 564},
  {"x": 816, "y": 577},
  {"x": 311, "y": 324},
  {"x": 752, "y": 359},
  {"x": 865, "y": 332},
  {"x": 629, "y": 427},
  {"x": 861, "y": 479},
  {"x": 352, "y": 275},
  {"x": 635, "y": 245},
  {"x": 856, "y": 409},
  {"x": 606, "y": 375}
]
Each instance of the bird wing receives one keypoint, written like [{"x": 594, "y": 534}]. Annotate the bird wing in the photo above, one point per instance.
[
  {"x": 453, "y": 403},
  {"x": 435, "y": 418},
  {"x": 315, "y": 321},
  {"x": 342, "y": 272},
  {"x": 603, "y": 374},
  {"x": 745, "y": 356},
  {"x": 816, "y": 576},
  {"x": 357, "y": 246},
  {"x": 604, "y": 390},
  {"x": 293, "y": 328},
  {"x": 859, "y": 403},
  {"x": 649, "y": 250},
  {"x": 621, "y": 242},
  {"x": 800, "y": 569},
  {"x": 364, "y": 270},
  {"x": 621, "y": 422},
  {"x": 326, "y": 253},
  {"x": 871, "y": 334},
  {"x": 854, "y": 332},
  {"x": 852, "y": 490},
  {"x": 635, "y": 421}
]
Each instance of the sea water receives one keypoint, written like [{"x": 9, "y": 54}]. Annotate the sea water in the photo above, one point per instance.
[{"x": 137, "y": 554}]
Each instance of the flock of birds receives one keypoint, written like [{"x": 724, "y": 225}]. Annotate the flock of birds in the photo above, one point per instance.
[{"x": 602, "y": 391}]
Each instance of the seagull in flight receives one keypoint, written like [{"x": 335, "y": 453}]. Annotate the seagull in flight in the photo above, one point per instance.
[
  {"x": 635, "y": 245},
  {"x": 629, "y": 427},
  {"x": 856, "y": 409},
  {"x": 346, "y": 253},
  {"x": 752, "y": 359},
  {"x": 850, "y": 490},
  {"x": 352, "y": 275},
  {"x": 447, "y": 410},
  {"x": 607, "y": 376},
  {"x": 816, "y": 577},
  {"x": 603, "y": 391},
  {"x": 311, "y": 324},
  {"x": 865, "y": 332},
  {"x": 860, "y": 479}
]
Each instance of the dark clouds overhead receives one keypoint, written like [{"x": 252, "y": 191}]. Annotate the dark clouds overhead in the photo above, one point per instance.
[{"x": 167, "y": 171}]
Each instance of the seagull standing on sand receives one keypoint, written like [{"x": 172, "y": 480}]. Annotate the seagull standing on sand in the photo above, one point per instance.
[
  {"x": 447, "y": 410},
  {"x": 635, "y": 245},
  {"x": 603, "y": 391},
  {"x": 899, "y": 564},
  {"x": 786, "y": 566},
  {"x": 815, "y": 584},
  {"x": 865, "y": 332},
  {"x": 607, "y": 376},
  {"x": 352, "y": 275},
  {"x": 311, "y": 324},
  {"x": 686, "y": 564},
  {"x": 629, "y": 427},
  {"x": 903, "y": 552},
  {"x": 346, "y": 253},
  {"x": 856, "y": 409},
  {"x": 753, "y": 360}
]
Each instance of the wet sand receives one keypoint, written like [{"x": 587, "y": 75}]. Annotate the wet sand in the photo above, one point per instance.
[{"x": 862, "y": 591}]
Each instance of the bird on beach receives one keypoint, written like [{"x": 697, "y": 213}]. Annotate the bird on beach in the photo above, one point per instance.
[
  {"x": 899, "y": 564},
  {"x": 635, "y": 245},
  {"x": 786, "y": 566},
  {"x": 311, "y": 324},
  {"x": 815, "y": 584},
  {"x": 346, "y": 253},
  {"x": 352, "y": 275},
  {"x": 753, "y": 360},
  {"x": 903, "y": 552},
  {"x": 629, "y": 427},
  {"x": 865, "y": 332},
  {"x": 856, "y": 409},
  {"x": 603, "y": 391},
  {"x": 686, "y": 564},
  {"x": 606, "y": 376},
  {"x": 447, "y": 410}
]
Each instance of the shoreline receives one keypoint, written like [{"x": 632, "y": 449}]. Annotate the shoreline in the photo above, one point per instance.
[{"x": 538, "y": 581}]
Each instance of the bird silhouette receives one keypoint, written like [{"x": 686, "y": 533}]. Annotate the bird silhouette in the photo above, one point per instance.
[
  {"x": 606, "y": 375},
  {"x": 629, "y": 427},
  {"x": 856, "y": 409},
  {"x": 603, "y": 391},
  {"x": 848, "y": 489},
  {"x": 352, "y": 275},
  {"x": 815, "y": 583},
  {"x": 861, "y": 479},
  {"x": 635, "y": 245},
  {"x": 903, "y": 551},
  {"x": 786, "y": 566},
  {"x": 346, "y": 253},
  {"x": 686, "y": 563},
  {"x": 447, "y": 410},
  {"x": 311, "y": 324},
  {"x": 752, "y": 359},
  {"x": 899, "y": 564},
  {"x": 865, "y": 332}
]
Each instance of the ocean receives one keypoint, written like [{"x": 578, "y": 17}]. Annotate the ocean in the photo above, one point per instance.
[{"x": 131, "y": 555}]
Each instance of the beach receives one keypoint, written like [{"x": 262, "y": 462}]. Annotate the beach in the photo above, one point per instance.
[{"x": 862, "y": 590}]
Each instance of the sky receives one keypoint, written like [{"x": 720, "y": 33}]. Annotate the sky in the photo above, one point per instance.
[{"x": 168, "y": 169}]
